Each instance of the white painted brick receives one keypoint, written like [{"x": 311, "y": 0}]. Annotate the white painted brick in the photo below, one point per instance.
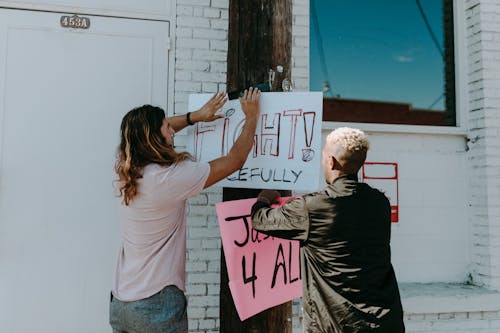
[
  {"x": 209, "y": 77},
  {"x": 183, "y": 54},
  {"x": 202, "y": 277},
  {"x": 193, "y": 43},
  {"x": 195, "y": 22},
  {"x": 301, "y": 20},
  {"x": 183, "y": 75},
  {"x": 220, "y": 3},
  {"x": 213, "y": 221},
  {"x": 202, "y": 211},
  {"x": 196, "y": 232},
  {"x": 495, "y": 323},
  {"x": 196, "y": 266},
  {"x": 224, "y": 14},
  {"x": 210, "y": 243},
  {"x": 184, "y": 32},
  {"x": 198, "y": 65},
  {"x": 222, "y": 45},
  {"x": 302, "y": 31},
  {"x": 188, "y": 86},
  {"x": 300, "y": 52},
  {"x": 180, "y": 107},
  {"x": 192, "y": 324},
  {"x": 204, "y": 301},
  {"x": 300, "y": 72},
  {"x": 201, "y": 199},
  {"x": 213, "y": 289},
  {"x": 466, "y": 324},
  {"x": 194, "y": 2},
  {"x": 213, "y": 312},
  {"x": 210, "y": 55},
  {"x": 204, "y": 254},
  {"x": 184, "y": 10},
  {"x": 301, "y": 41},
  {"x": 207, "y": 324},
  {"x": 218, "y": 66},
  {"x": 219, "y": 24},
  {"x": 495, "y": 315},
  {"x": 431, "y": 316},
  {"x": 198, "y": 12},
  {"x": 211, "y": 12},
  {"x": 414, "y": 326},
  {"x": 300, "y": 62},
  {"x": 196, "y": 312},
  {"x": 222, "y": 87},
  {"x": 209, "y": 87},
  {"x": 475, "y": 315},
  {"x": 446, "y": 316},
  {"x": 197, "y": 289},
  {"x": 301, "y": 9},
  {"x": 214, "y": 264},
  {"x": 181, "y": 97},
  {"x": 210, "y": 34},
  {"x": 192, "y": 243},
  {"x": 461, "y": 315}
]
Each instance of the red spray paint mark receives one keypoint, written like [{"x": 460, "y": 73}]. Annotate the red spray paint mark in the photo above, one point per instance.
[
  {"x": 309, "y": 119},
  {"x": 294, "y": 115},
  {"x": 200, "y": 132}
]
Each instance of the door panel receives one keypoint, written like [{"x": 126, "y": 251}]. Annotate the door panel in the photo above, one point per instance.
[
  {"x": 62, "y": 96},
  {"x": 150, "y": 9}
]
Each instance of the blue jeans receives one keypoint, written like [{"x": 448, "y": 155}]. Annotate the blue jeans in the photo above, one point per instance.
[{"x": 164, "y": 312}]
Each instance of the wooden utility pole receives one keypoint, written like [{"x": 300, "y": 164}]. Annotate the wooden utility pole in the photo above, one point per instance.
[{"x": 260, "y": 39}]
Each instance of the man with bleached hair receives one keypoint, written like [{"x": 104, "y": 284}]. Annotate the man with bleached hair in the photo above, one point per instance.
[{"x": 349, "y": 285}]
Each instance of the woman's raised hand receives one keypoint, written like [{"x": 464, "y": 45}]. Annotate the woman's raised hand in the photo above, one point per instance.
[
  {"x": 250, "y": 103},
  {"x": 207, "y": 111}
]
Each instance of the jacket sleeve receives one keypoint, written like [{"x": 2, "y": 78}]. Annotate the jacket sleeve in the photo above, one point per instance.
[{"x": 290, "y": 221}]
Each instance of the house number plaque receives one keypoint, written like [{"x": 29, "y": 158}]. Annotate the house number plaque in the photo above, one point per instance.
[{"x": 75, "y": 22}]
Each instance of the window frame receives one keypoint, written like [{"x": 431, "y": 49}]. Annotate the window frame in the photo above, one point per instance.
[{"x": 461, "y": 97}]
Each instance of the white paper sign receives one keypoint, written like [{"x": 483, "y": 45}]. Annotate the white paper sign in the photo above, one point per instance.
[{"x": 286, "y": 153}]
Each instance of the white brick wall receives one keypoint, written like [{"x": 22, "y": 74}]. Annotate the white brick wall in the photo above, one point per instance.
[
  {"x": 300, "y": 45},
  {"x": 446, "y": 322},
  {"x": 453, "y": 322},
  {"x": 200, "y": 49},
  {"x": 200, "y": 66},
  {"x": 203, "y": 262},
  {"x": 483, "y": 45}
]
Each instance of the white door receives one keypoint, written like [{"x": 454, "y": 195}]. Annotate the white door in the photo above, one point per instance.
[{"x": 63, "y": 93}]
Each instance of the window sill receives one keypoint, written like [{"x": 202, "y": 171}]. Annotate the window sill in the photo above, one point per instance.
[
  {"x": 420, "y": 298},
  {"x": 392, "y": 128}
]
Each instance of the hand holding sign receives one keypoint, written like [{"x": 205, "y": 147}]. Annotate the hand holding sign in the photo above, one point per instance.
[
  {"x": 263, "y": 271},
  {"x": 283, "y": 154},
  {"x": 207, "y": 112},
  {"x": 269, "y": 196}
]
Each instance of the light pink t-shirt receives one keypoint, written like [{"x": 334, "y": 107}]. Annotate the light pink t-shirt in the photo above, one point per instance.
[{"x": 153, "y": 250}]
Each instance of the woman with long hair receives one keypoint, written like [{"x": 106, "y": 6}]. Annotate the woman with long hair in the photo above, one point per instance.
[{"x": 154, "y": 183}]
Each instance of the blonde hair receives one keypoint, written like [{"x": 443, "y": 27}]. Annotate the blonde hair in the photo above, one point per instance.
[{"x": 349, "y": 147}]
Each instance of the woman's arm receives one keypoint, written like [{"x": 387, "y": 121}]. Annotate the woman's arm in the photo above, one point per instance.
[
  {"x": 223, "y": 166},
  {"x": 206, "y": 113}
]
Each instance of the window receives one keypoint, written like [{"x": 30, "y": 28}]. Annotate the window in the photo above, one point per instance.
[{"x": 384, "y": 61}]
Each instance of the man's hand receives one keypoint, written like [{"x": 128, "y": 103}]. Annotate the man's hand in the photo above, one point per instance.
[
  {"x": 269, "y": 196},
  {"x": 207, "y": 111},
  {"x": 250, "y": 103}
]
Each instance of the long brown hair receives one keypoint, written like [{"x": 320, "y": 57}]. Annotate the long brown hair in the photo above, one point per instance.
[{"x": 141, "y": 144}]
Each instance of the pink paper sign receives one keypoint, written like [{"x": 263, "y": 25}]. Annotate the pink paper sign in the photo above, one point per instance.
[{"x": 263, "y": 271}]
